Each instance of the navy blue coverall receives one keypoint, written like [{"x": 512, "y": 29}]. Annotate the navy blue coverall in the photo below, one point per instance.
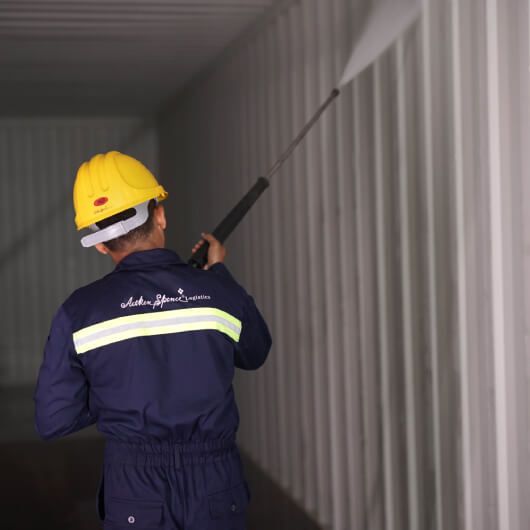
[{"x": 148, "y": 353}]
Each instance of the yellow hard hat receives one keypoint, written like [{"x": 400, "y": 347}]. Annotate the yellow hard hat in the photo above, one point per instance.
[{"x": 109, "y": 184}]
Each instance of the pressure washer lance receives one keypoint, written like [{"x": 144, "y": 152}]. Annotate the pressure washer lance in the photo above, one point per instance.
[{"x": 227, "y": 225}]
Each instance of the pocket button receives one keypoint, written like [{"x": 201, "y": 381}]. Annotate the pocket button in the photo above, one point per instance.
[
  {"x": 233, "y": 507},
  {"x": 131, "y": 519}
]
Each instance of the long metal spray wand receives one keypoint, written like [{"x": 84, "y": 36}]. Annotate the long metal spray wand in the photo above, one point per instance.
[
  {"x": 335, "y": 92},
  {"x": 227, "y": 225},
  {"x": 388, "y": 20}
]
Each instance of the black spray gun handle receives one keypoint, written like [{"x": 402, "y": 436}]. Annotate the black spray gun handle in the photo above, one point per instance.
[
  {"x": 200, "y": 258},
  {"x": 227, "y": 225}
]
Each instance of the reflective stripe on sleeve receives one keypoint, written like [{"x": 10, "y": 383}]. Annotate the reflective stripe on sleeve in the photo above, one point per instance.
[{"x": 149, "y": 324}]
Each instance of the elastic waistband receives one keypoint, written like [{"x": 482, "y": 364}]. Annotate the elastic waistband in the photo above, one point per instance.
[{"x": 166, "y": 453}]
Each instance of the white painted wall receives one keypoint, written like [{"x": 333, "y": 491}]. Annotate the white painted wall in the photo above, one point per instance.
[
  {"x": 390, "y": 257},
  {"x": 41, "y": 258}
]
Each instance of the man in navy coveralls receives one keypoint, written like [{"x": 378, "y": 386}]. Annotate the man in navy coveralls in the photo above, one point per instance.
[{"x": 148, "y": 353}]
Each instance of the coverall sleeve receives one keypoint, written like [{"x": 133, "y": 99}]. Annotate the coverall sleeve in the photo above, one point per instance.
[
  {"x": 255, "y": 340},
  {"x": 61, "y": 394}
]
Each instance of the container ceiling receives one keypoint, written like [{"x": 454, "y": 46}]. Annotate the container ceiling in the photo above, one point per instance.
[{"x": 110, "y": 57}]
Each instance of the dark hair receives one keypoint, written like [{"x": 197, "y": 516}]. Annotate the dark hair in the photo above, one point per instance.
[{"x": 140, "y": 232}]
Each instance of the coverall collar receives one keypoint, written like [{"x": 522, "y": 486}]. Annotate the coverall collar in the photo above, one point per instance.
[{"x": 147, "y": 258}]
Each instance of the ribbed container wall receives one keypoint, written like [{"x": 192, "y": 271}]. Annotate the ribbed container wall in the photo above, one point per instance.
[
  {"x": 41, "y": 258},
  {"x": 390, "y": 257}
]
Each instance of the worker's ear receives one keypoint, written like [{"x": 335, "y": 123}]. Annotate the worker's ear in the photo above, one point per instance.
[
  {"x": 100, "y": 247},
  {"x": 159, "y": 217}
]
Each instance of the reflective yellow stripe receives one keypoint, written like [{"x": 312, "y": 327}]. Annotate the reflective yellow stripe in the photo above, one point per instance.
[
  {"x": 146, "y": 317},
  {"x": 161, "y": 323}
]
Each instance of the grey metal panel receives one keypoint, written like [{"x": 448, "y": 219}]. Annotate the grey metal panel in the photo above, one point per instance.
[
  {"x": 317, "y": 296},
  {"x": 253, "y": 242},
  {"x": 301, "y": 403},
  {"x": 389, "y": 256},
  {"x": 273, "y": 253},
  {"x": 431, "y": 293},
  {"x": 332, "y": 249},
  {"x": 287, "y": 257},
  {"x": 462, "y": 309},
  {"x": 265, "y": 277},
  {"x": 41, "y": 258},
  {"x": 383, "y": 280},
  {"x": 347, "y": 462}
]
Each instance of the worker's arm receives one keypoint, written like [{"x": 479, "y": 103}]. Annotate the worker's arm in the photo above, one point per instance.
[
  {"x": 61, "y": 395},
  {"x": 255, "y": 340}
]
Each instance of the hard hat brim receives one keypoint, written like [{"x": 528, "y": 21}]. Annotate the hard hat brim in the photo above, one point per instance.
[{"x": 117, "y": 229}]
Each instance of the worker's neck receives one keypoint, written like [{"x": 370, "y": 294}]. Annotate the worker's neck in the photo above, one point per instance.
[
  {"x": 155, "y": 239},
  {"x": 144, "y": 245}
]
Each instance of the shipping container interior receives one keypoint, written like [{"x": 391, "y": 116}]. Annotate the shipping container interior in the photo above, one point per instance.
[{"x": 390, "y": 255}]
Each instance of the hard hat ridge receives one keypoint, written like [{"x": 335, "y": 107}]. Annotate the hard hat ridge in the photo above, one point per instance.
[{"x": 98, "y": 166}]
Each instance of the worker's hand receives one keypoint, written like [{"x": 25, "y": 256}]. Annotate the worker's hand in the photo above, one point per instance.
[{"x": 216, "y": 251}]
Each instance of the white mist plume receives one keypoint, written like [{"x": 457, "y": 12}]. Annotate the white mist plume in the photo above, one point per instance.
[{"x": 388, "y": 20}]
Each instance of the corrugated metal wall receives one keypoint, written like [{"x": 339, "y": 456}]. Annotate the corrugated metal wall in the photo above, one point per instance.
[
  {"x": 41, "y": 259},
  {"x": 390, "y": 257}
]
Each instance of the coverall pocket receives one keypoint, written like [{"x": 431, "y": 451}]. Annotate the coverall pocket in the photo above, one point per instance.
[
  {"x": 144, "y": 515},
  {"x": 230, "y": 502}
]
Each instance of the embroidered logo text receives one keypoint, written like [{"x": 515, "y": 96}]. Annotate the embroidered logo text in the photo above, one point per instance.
[{"x": 162, "y": 299}]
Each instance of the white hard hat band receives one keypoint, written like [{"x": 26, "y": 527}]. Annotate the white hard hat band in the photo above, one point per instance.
[{"x": 117, "y": 229}]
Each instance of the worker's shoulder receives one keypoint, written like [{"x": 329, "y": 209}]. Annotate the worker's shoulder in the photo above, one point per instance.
[
  {"x": 82, "y": 295},
  {"x": 158, "y": 288},
  {"x": 220, "y": 275}
]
